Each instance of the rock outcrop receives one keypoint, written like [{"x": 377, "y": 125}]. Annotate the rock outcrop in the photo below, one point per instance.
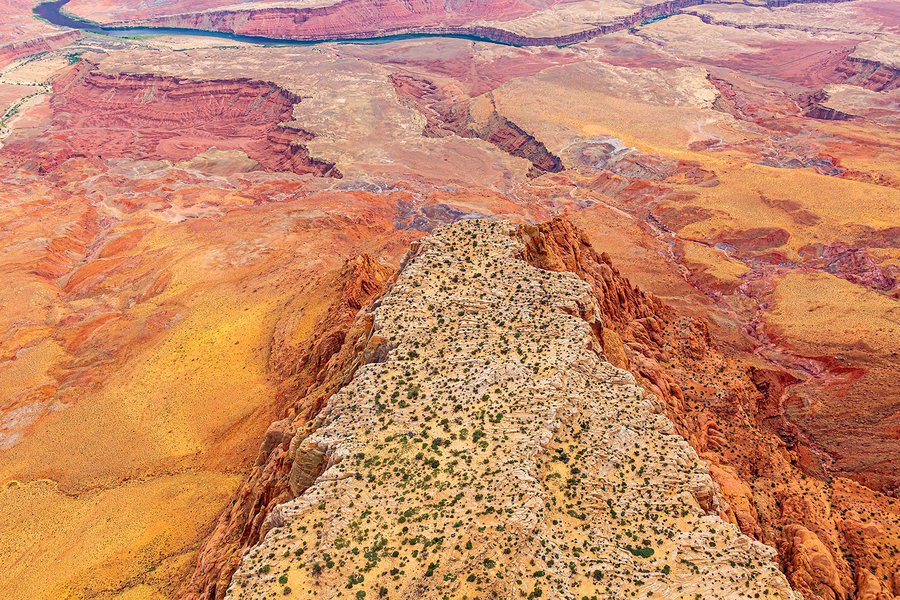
[
  {"x": 732, "y": 412},
  {"x": 869, "y": 74},
  {"x": 170, "y": 118},
  {"x": 448, "y": 112},
  {"x": 20, "y": 48},
  {"x": 286, "y": 466},
  {"x": 852, "y": 264},
  {"x": 813, "y": 107},
  {"x": 489, "y": 448},
  {"x": 834, "y": 538}
]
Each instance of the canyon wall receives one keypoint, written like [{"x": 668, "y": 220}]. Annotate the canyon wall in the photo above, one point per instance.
[
  {"x": 169, "y": 118},
  {"x": 307, "y": 376},
  {"x": 354, "y": 19},
  {"x": 21, "y": 48},
  {"x": 836, "y": 538},
  {"x": 448, "y": 111}
]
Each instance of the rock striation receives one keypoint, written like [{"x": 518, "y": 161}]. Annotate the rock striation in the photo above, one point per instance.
[
  {"x": 356, "y": 19},
  {"x": 869, "y": 74},
  {"x": 446, "y": 113},
  {"x": 509, "y": 22},
  {"x": 489, "y": 448},
  {"x": 15, "y": 50},
  {"x": 171, "y": 118}
]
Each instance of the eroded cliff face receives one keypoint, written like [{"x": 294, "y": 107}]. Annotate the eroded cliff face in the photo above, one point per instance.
[
  {"x": 129, "y": 282},
  {"x": 19, "y": 48},
  {"x": 169, "y": 118},
  {"x": 514, "y": 22},
  {"x": 487, "y": 446},
  {"x": 449, "y": 111},
  {"x": 308, "y": 375},
  {"x": 836, "y": 538},
  {"x": 869, "y": 74},
  {"x": 352, "y": 19}
]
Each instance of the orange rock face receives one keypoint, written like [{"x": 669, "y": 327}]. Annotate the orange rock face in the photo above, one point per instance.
[
  {"x": 308, "y": 375},
  {"x": 720, "y": 404}
]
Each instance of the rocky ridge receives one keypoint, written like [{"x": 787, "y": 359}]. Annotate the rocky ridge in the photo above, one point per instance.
[
  {"x": 308, "y": 378},
  {"x": 122, "y": 255},
  {"x": 488, "y": 447},
  {"x": 836, "y": 538}
]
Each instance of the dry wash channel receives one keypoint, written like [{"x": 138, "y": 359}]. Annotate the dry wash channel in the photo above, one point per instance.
[{"x": 491, "y": 451}]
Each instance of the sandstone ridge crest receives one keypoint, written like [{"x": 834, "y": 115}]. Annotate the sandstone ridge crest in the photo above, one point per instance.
[{"x": 488, "y": 448}]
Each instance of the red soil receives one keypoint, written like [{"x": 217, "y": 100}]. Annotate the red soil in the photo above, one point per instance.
[
  {"x": 810, "y": 64},
  {"x": 168, "y": 118}
]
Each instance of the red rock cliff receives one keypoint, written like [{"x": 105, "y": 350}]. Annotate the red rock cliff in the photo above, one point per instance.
[
  {"x": 445, "y": 113},
  {"x": 21, "y": 48},
  {"x": 354, "y": 19},
  {"x": 170, "y": 118},
  {"x": 836, "y": 538},
  {"x": 308, "y": 375}
]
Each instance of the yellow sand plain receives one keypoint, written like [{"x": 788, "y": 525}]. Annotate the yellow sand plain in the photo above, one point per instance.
[
  {"x": 714, "y": 263},
  {"x": 739, "y": 201},
  {"x": 117, "y": 488},
  {"x": 820, "y": 311},
  {"x": 53, "y": 545}
]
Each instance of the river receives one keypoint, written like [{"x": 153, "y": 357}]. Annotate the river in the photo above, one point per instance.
[{"x": 53, "y": 13}]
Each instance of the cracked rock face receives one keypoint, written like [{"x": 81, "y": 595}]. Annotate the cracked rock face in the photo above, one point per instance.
[{"x": 494, "y": 452}]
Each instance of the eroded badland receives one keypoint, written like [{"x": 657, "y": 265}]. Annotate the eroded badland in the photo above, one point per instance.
[{"x": 597, "y": 301}]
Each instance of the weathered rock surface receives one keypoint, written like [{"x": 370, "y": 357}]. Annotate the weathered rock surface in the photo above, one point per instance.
[
  {"x": 287, "y": 465},
  {"x": 155, "y": 117},
  {"x": 18, "y": 48},
  {"x": 733, "y": 415},
  {"x": 446, "y": 112},
  {"x": 351, "y": 19},
  {"x": 141, "y": 288},
  {"x": 493, "y": 450}
]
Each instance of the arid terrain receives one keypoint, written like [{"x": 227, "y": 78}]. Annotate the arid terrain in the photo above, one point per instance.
[{"x": 662, "y": 286}]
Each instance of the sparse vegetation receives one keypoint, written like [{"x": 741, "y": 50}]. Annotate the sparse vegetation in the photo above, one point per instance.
[{"x": 492, "y": 451}]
